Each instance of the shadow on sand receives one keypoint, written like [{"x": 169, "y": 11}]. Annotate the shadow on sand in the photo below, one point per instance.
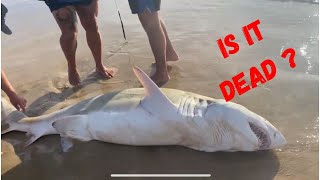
[
  {"x": 47, "y": 101},
  {"x": 98, "y": 160}
]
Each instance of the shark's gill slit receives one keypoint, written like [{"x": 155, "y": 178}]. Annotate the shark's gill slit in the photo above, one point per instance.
[{"x": 196, "y": 107}]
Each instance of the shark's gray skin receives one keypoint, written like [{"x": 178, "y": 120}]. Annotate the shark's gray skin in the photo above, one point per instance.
[{"x": 153, "y": 116}]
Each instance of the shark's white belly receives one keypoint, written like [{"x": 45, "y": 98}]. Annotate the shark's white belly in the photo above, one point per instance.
[{"x": 135, "y": 127}]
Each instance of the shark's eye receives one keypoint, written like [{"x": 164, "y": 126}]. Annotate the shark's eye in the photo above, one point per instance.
[{"x": 275, "y": 134}]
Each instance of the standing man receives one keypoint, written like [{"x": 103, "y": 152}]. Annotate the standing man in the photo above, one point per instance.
[
  {"x": 65, "y": 13},
  {"x": 163, "y": 51}
]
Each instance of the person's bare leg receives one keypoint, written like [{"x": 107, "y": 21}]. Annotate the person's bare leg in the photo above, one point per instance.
[
  {"x": 88, "y": 18},
  {"x": 171, "y": 54},
  {"x": 67, "y": 21},
  {"x": 151, "y": 24}
]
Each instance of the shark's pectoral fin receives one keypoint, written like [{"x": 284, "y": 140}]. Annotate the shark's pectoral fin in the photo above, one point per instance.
[
  {"x": 155, "y": 100},
  {"x": 66, "y": 143},
  {"x": 72, "y": 128}
]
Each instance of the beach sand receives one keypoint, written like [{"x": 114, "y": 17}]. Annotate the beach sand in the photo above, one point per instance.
[{"x": 35, "y": 65}]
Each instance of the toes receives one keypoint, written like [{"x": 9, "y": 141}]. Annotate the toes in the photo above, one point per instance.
[
  {"x": 111, "y": 71},
  {"x": 104, "y": 74},
  {"x": 74, "y": 82},
  {"x": 108, "y": 72}
]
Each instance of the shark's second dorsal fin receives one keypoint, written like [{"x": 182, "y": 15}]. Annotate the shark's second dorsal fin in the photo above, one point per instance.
[{"x": 155, "y": 99}]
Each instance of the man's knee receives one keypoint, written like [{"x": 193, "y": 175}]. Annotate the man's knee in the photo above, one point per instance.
[
  {"x": 90, "y": 24},
  {"x": 68, "y": 35},
  {"x": 65, "y": 15},
  {"x": 67, "y": 20}
]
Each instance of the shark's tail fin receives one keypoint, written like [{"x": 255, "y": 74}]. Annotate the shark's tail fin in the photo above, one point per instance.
[{"x": 9, "y": 116}]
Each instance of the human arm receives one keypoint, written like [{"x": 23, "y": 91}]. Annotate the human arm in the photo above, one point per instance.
[{"x": 17, "y": 101}]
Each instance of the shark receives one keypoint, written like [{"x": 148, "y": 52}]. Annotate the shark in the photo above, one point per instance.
[{"x": 152, "y": 116}]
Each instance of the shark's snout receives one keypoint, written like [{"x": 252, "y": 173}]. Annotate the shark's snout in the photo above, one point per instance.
[
  {"x": 269, "y": 136},
  {"x": 278, "y": 140}
]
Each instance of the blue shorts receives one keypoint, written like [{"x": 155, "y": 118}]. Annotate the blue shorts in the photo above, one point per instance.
[
  {"x": 57, "y": 4},
  {"x": 139, "y": 6}
]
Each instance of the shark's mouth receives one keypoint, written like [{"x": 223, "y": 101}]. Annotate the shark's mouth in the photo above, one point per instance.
[{"x": 262, "y": 135}]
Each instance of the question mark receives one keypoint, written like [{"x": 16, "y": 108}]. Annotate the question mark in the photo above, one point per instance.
[{"x": 292, "y": 53}]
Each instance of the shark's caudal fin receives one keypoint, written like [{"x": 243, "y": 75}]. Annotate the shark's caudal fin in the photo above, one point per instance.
[
  {"x": 155, "y": 100},
  {"x": 9, "y": 116},
  {"x": 18, "y": 121}
]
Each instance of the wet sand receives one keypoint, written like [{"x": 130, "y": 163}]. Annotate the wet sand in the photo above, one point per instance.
[{"x": 34, "y": 63}]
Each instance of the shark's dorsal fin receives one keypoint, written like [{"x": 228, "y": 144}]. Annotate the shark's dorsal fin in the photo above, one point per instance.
[{"x": 155, "y": 99}]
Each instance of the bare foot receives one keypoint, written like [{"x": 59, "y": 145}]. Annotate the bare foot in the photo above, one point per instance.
[
  {"x": 160, "y": 78},
  {"x": 172, "y": 55},
  {"x": 74, "y": 78},
  {"x": 107, "y": 72}
]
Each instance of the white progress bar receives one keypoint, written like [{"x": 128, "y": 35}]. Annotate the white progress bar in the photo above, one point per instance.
[{"x": 160, "y": 175}]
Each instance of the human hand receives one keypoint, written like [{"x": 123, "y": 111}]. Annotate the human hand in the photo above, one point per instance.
[{"x": 17, "y": 101}]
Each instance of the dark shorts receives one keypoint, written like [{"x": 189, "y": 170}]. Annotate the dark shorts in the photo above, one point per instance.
[
  {"x": 57, "y": 4},
  {"x": 139, "y": 6}
]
